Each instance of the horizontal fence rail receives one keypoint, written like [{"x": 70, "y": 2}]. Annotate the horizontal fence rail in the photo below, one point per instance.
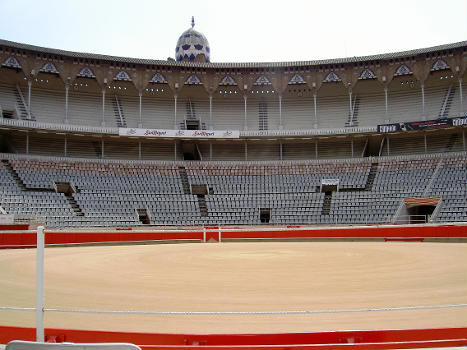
[{"x": 229, "y": 313}]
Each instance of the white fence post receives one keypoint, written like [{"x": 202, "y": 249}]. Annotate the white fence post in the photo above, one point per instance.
[
  {"x": 204, "y": 234},
  {"x": 40, "y": 285},
  {"x": 220, "y": 234}
]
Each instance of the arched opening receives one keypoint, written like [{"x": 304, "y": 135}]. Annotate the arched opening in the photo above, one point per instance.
[
  {"x": 122, "y": 104},
  {"x": 10, "y": 79},
  {"x": 368, "y": 104},
  {"x": 228, "y": 108},
  {"x": 47, "y": 98},
  {"x": 193, "y": 104},
  {"x": 332, "y": 105}
]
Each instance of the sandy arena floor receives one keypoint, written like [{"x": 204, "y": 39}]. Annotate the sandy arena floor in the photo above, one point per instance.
[{"x": 268, "y": 276}]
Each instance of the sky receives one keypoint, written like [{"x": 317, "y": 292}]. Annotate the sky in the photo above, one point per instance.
[{"x": 237, "y": 30}]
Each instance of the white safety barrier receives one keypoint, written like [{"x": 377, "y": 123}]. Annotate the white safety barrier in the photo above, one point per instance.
[{"x": 40, "y": 284}]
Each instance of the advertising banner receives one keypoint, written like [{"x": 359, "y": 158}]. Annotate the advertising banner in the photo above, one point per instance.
[
  {"x": 461, "y": 121},
  {"x": 196, "y": 134},
  {"x": 423, "y": 125}
]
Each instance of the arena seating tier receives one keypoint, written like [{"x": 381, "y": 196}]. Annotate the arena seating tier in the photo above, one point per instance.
[{"x": 113, "y": 193}]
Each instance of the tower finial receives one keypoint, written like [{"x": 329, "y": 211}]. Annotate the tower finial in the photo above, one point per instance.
[{"x": 192, "y": 21}]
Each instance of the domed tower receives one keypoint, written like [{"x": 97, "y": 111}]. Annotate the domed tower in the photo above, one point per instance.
[{"x": 192, "y": 46}]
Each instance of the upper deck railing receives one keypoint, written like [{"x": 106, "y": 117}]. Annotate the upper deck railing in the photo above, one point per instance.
[{"x": 73, "y": 128}]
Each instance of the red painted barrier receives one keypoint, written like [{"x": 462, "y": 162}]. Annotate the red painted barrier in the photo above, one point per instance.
[
  {"x": 212, "y": 235},
  {"x": 28, "y": 239},
  {"x": 11, "y": 227},
  {"x": 438, "y": 231},
  {"x": 358, "y": 340},
  {"x": 409, "y": 232}
]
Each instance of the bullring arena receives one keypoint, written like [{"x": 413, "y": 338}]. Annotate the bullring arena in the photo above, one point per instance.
[
  {"x": 250, "y": 277},
  {"x": 245, "y": 281},
  {"x": 190, "y": 204}
]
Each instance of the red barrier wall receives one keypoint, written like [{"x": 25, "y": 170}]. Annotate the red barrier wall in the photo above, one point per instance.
[
  {"x": 438, "y": 231},
  {"x": 28, "y": 239},
  {"x": 8, "y": 227},
  {"x": 412, "y": 232},
  {"x": 361, "y": 340}
]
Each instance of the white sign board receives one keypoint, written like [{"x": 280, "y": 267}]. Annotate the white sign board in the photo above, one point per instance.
[
  {"x": 195, "y": 134},
  {"x": 330, "y": 182}
]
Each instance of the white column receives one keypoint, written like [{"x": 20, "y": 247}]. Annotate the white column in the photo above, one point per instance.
[
  {"x": 424, "y": 139},
  {"x": 423, "y": 101},
  {"x": 67, "y": 88},
  {"x": 65, "y": 147},
  {"x": 316, "y": 114},
  {"x": 246, "y": 120},
  {"x": 27, "y": 142},
  {"x": 280, "y": 150},
  {"x": 387, "y": 144},
  {"x": 40, "y": 284},
  {"x": 350, "y": 105},
  {"x": 175, "y": 113},
  {"x": 461, "y": 109},
  {"x": 280, "y": 113},
  {"x": 103, "y": 107},
  {"x": 140, "y": 123},
  {"x": 463, "y": 139},
  {"x": 316, "y": 148},
  {"x": 102, "y": 149},
  {"x": 29, "y": 98},
  {"x": 351, "y": 145},
  {"x": 210, "y": 113},
  {"x": 386, "y": 104},
  {"x": 175, "y": 150}
]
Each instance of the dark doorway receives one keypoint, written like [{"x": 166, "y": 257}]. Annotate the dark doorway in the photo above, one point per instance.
[
  {"x": 192, "y": 125},
  {"x": 264, "y": 215},
  {"x": 143, "y": 216},
  {"x": 190, "y": 151},
  {"x": 420, "y": 214}
]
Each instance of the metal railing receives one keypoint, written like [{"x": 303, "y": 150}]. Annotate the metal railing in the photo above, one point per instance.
[{"x": 412, "y": 219}]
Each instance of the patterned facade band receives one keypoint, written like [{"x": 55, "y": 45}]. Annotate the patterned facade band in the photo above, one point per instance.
[
  {"x": 262, "y": 80},
  {"x": 402, "y": 70},
  {"x": 227, "y": 81},
  {"x": 11, "y": 62},
  {"x": 86, "y": 72},
  {"x": 49, "y": 67},
  {"x": 367, "y": 74},
  {"x": 331, "y": 78},
  {"x": 122, "y": 76},
  {"x": 296, "y": 80},
  {"x": 439, "y": 65},
  {"x": 193, "y": 80},
  {"x": 158, "y": 78}
]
